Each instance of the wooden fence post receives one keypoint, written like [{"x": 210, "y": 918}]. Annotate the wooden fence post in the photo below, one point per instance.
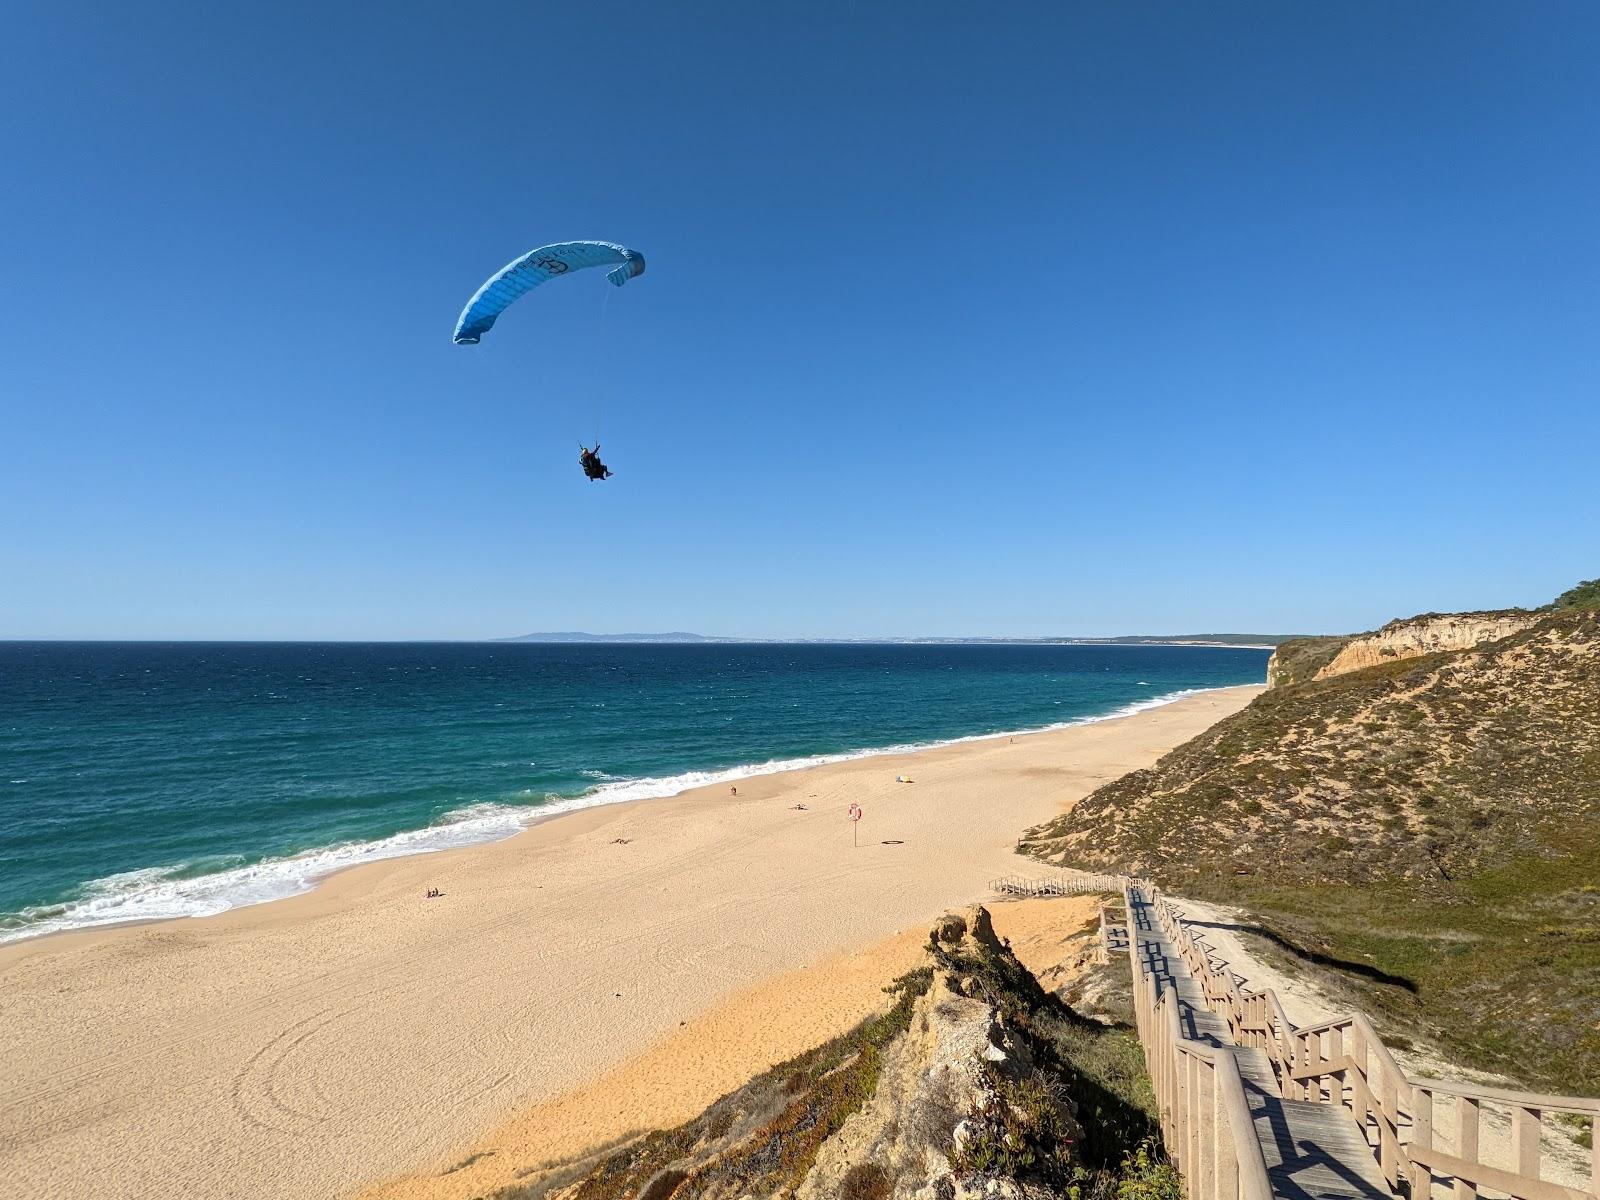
[
  {"x": 1388, "y": 1128},
  {"x": 1180, "y": 1114},
  {"x": 1314, "y": 1058},
  {"x": 1359, "y": 1059},
  {"x": 1191, "y": 1122},
  {"x": 1336, "y": 1046},
  {"x": 1594, "y": 1154},
  {"x": 1466, "y": 1143},
  {"x": 1226, "y": 1171},
  {"x": 1525, "y": 1141},
  {"x": 1421, "y": 1138}
]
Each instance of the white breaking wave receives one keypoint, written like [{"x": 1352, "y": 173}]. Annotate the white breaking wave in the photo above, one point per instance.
[{"x": 158, "y": 893}]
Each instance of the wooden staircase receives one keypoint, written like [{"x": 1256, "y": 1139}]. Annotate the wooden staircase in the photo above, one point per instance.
[{"x": 1254, "y": 1107}]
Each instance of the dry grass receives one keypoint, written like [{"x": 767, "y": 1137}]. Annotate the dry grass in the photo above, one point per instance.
[{"x": 1432, "y": 820}]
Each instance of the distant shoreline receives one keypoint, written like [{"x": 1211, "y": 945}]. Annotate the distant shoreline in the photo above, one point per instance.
[
  {"x": 628, "y": 639},
  {"x": 647, "y": 640}
]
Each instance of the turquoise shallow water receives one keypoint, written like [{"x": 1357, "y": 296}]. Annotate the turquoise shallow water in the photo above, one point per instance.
[{"x": 146, "y": 780}]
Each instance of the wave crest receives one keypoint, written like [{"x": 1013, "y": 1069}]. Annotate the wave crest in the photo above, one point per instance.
[{"x": 164, "y": 893}]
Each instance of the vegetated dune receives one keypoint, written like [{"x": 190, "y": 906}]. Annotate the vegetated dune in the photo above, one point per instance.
[{"x": 1428, "y": 828}]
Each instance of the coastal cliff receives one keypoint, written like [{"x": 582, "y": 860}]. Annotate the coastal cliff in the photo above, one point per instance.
[
  {"x": 1299, "y": 659},
  {"x": 1416, "y": 636},
  {"x": 1416, "y": 814},
  {"x": 976, "y": 1082},
  {"x": 1304, "y": 659}
]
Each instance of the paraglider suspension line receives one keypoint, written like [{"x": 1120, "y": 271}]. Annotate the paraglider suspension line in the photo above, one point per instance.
[{"x": 599, "y": 358}]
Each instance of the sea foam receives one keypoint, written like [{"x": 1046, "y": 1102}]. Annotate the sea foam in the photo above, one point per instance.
[{"x": 163, "y": 893}]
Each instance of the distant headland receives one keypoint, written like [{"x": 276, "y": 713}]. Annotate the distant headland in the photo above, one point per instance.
[{"x": 1237, "y": 641}]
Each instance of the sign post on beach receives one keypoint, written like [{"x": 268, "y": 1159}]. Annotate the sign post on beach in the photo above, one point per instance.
[{"x": 855, "y": 823}]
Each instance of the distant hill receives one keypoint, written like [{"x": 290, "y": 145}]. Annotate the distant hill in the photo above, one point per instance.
[
  {"x": 1263, "y": 641},
  {"x": 1418, "y": 807},
  {"x": 612, "y": 637},
  {"x": 1190, "y": 639}
]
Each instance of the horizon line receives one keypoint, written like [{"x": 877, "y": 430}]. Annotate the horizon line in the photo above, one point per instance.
[{"x": 1215, "y": 640}]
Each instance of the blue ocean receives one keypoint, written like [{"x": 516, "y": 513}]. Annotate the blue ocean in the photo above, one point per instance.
[{"x": 147, "y": 780}]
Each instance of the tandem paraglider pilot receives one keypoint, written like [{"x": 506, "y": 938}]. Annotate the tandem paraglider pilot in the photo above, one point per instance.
[{"x": 589, "y": 460}]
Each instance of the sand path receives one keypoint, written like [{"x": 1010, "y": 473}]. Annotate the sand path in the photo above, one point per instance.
[{"x": 309, "y": 1047}]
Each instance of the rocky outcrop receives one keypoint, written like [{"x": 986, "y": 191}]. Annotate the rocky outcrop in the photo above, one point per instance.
[
  {"x": 945, "y": 1088},
  {"x": 1415, "y": 636}
]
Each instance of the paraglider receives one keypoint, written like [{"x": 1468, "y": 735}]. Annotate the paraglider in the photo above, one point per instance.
[{"x": 519, "y": 277}]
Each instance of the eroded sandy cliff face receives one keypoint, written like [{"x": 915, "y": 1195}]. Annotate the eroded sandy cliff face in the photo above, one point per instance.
[
  {"x": 968, "y": 1088},
  {"x": 1415, "y": 636}
]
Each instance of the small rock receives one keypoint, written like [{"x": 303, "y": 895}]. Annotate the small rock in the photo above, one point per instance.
[
  {"x": 961, "y": 1135},
  {"x": 981, "y": 927}
]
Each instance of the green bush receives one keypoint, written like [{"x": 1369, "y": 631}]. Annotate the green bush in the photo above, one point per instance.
[
  {"x": 1147, "y": 1175},
  {"x": 1585, "y": 595}
]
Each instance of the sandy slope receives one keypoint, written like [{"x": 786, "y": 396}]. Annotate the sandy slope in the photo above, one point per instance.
[
  {"x": 311, "y": 1046},
  {"x": 716, "y": 1052}
]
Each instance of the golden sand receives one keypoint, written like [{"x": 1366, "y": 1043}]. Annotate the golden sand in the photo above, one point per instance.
[
  {"x": 315, "y": 1045},
  {"x": 756, "y": 1028}
]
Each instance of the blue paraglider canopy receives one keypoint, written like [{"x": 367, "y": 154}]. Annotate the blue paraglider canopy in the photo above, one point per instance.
[{"x": 517, "y": 279}]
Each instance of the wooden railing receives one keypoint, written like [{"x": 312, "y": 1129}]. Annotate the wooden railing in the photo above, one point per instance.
[
  {"x": 1205, "y": 1119},
  {"x": 1064, "y": 884},
  {"x": 1344, "y": 1062},
  {"x": 1463, "y": 1163},
  {"x": 1113, "y": 934},
  {"x": 1205, "y": 1116}
]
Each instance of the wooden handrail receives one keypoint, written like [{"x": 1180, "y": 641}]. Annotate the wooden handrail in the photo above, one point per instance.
[
  {"x": 1200, "y": 1098},
  {"x": 1570, "y": 1105},
  {"x": 1509, "y": 1182},
  {"x": 1205, "y": 1117},
  {"x": 1347, "y": 1054}
]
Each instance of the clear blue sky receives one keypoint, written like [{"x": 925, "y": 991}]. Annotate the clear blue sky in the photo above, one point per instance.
[{"x": 960, "y": 319}]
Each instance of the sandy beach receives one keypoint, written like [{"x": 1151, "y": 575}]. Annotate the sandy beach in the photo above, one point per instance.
[{"x": 319, "y": 1045}]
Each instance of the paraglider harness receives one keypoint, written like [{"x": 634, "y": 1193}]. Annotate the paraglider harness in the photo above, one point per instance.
[{"x": 589, "y": 460}]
